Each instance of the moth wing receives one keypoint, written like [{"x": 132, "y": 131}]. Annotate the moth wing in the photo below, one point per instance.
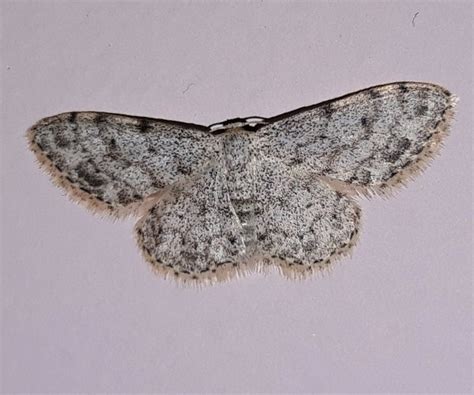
[
  {"x": 369, "y": 140},
  {"x": 192, "y": 233},
  {"x": 302, "y": 223},
  {"x": 111, "y": 163}
]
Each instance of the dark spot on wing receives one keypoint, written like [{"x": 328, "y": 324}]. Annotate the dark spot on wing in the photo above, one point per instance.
[
  {"x": 364, "y": 177},
  {"x": 297, "y": 160},
  {"x": 367, "y": 123},
  {"x": 99, "y": 117},
  {"x": 145, "y": 125},
  {"x": 123, "y": 197},
  {"x": 417, "y": 150},
  {"x": 61, "y": 140},
  {"x": 88, "y": 172},
  {"x": 183, "y": 170},
  {"x": 403, "y": 88},
  {"x": 72, "y": 121},
  {"x": 85, "y": 190},
  {"x": 374, "y": 94},
  {"x": 404, "y": 144},
  {"x": 102, "y": 121},
  {"x": 406, "y": 164},
  {"x": 72, "y": 117},
  {"x": 157, "y": 184},
  {"x": 147, "y": 250},
  {"x": 39, "y": 145},
  {"x": 393, "y": 154},
  {"x": 328, "y": 110},
  {"x": 421, "y": 110}
]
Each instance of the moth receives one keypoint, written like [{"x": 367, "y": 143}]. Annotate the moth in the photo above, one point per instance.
[{"x": 240, "y": 195}]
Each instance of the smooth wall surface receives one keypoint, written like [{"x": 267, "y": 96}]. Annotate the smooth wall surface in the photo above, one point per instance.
[{"x": 81, "y": 310}]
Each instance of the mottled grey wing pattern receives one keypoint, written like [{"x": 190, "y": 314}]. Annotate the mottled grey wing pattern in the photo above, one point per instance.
[
  {"x": 218, "y": 224},
  {"x": 111, "y": 162},
  {"x": 193, "y": 232},
  {"x": 246, "y": 192},
  {"x": 370, "y": 140},
  {"x": 303, "y": 224}
]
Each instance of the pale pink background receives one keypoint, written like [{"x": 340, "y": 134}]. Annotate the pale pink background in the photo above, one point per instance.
[{"x": 81, "y": 311}]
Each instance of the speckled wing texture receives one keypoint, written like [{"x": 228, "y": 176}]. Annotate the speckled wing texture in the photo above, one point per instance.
[
  {"x": 258, "y": 191},
  {"x": 303, "y": 224},
  {"x": 214, "y": 228},
  {"x": 111, "y": 163},
  {"x": 193, "y": 232},
  {"x": 368, "y": 141}
]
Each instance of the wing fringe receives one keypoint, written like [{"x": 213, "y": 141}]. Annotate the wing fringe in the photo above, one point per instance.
[
  {"x": 73, "y": 191},
  {"x": 431, "y": 150}
]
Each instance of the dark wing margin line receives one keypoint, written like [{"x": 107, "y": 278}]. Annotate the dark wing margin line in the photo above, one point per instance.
[
  {"x": 185, "y": 125},
  {"x": 268, "y": 120},
  {"x": 288, "y": 114}
]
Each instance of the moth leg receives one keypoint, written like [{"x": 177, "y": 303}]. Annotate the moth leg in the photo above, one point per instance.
[
  {"x": 192, "y": 234},
  {"x": 303, "y": 224}
]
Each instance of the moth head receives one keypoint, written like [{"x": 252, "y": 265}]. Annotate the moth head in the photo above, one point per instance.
[{"x": 249, "y": 123}]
